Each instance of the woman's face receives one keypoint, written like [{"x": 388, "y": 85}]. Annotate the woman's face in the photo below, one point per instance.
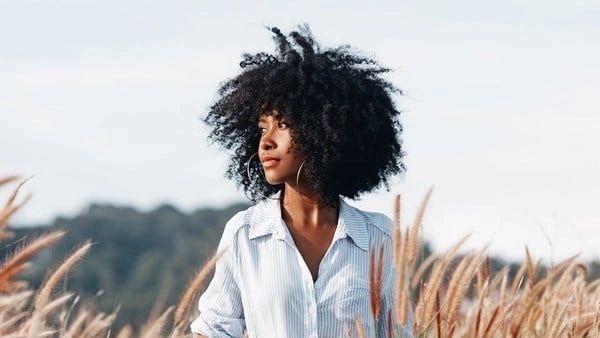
[{"x": 276, "y": 142}]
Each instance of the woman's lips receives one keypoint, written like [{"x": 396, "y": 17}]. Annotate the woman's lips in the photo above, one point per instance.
[{"x": 270, "y": 163}]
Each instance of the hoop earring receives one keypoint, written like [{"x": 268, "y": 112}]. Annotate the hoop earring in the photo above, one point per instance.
[
  {"x": 250, "y": 178},
  {"x": 298, "y": 186}
]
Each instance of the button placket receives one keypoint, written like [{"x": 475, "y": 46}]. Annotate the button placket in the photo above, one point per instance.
[
  {"x": 311, "y": 304},
  {"x": 309, "y": 289}
]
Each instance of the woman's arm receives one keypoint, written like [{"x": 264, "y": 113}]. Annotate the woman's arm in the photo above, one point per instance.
[{"x": 221, "y": 312}]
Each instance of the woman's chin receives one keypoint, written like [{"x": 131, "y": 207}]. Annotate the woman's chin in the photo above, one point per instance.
[
  {"x": 273, "y": 182},
  {"x": 273, "y": 179}
]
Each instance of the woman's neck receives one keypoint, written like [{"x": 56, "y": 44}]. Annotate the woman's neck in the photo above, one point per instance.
[{"x": 305, "y": 210}]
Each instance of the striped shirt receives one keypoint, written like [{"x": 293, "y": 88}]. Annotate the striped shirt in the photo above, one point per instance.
[{"x": 263, "y": 288}]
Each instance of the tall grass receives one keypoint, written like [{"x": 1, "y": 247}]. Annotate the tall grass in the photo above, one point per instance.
[{"x": 443, "y": 295}]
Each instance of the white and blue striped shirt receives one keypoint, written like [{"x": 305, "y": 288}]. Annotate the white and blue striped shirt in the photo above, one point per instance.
[{"x": 263, "y": 286}]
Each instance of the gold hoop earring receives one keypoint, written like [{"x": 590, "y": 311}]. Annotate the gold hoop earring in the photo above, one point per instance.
[
  {"x": 250, "y": 178},
  {"x": 298, "y": 185}
]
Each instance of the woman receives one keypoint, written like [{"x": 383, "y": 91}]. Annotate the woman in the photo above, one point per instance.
[{"x": 307, "y": 127}]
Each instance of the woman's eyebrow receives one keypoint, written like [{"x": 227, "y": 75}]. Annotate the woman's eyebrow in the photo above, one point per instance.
[{"x": 277, "y": 117}]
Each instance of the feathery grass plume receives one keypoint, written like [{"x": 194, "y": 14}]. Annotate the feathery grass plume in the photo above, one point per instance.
[
  {"x": 7, "y": 179},
  {"x": 457, "y": 274},
  {"x": 493, "y": 322},
  {"x": 47, "y": 333},
  {"x": 403, "y": 304},
  {"x": 414, "y": 243},
  {"x": 531, "y": 270},
  {"x": 360, "y": 329},
  {"x": 555, "y": 325},
  {"x": 12, "y": 266},
  {"x": 503, "y": 325},
  {"x": 451, "y": 333},
  {"x": 423, "y": 266},
  {"x": 561, "y": 267},
  {"x": 36, "y": 322},
  {"x": 587, "y": 321},
  {"x": 524, "y": 312},
  {"x": 397, "y": 230},
  {"x": 518, "y": 279},
  {"x": 379, "y": 280},
  {"x": 579, "y": 296},
  {"x": 426, "y": 301},
  {"x": 4, "y": 214},
  {"x": 582, "y": 270},
  {"x": 76, "y": 328},
  {"x": 497, "y": 280},
  {"x": 399, "y": 244},
  {"x": 565, "y": 276},
  {"x": 194, "y": 287},
  {"x": 15, "y": 286},
  {"x": 125, "y": 332},
  {"x": 11, "y": 323},
  {"x": 480, "y": 308},
  {"x": 16, "y": 270},
  {"x": 155, "y": 330},
  {"x": 13, "y": 195},
  {"x": 397, "y": 210},
  {"x": 547, "y": 316},
  {"x": 64, "y": 267},
  {"x": 10, "y": 208},
  {"x": 375, "y": 278},
  {"x": 456, "y": 293},
  {"x": 591, "y": 287},
  {"x": 53, "y": 305},
  {"x": 483, "y": 273},
  {"x": 65, "y": 320},
  {"x": 99, "y": 325},
  {"x": 15, "y": 301},
  {"x": 597, "y": 320},
  {"x": 438, "y": 318}
]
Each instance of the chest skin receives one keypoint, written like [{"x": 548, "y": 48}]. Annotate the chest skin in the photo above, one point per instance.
[{"x": 313, "y": 243}]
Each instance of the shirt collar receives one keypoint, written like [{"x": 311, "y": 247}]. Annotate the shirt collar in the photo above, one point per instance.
[{"x": 267, "y": 220}]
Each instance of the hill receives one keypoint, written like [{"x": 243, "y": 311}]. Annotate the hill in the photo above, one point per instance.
[{"x": 138, "y": 258}]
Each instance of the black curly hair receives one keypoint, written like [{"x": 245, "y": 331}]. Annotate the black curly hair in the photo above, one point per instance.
[{"x": 342, "y": 116}]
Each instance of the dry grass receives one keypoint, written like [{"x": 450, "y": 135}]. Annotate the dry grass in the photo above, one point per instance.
[
  {"x": 562, "y": 303},
  {"x": 558, "y": 303}
]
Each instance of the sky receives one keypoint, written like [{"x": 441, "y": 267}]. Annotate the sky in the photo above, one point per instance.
[{"x": 102, "y": 100}]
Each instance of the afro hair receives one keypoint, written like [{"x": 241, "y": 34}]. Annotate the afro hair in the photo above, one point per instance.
[{"x": 342, "y": 116}]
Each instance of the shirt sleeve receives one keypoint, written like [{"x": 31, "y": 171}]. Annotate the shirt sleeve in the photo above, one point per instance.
[{"x": 221, "y": 312}]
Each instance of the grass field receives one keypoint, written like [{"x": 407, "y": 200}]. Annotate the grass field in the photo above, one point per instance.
[{"x": 451, "y": 295}]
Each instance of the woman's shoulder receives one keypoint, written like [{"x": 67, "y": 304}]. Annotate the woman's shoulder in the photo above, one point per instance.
[
  {"x": 378, "y": 222},
  {"x": 241, "y": 221}
]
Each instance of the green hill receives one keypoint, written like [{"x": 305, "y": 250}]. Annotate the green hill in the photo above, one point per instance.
[{"x": 137, "y": 258}]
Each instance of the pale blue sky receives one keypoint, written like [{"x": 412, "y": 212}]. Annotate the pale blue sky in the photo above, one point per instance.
[{"x": 101, "y": 101}]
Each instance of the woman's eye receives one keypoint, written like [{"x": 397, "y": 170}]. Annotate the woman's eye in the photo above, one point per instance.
[{"x": 285, "y": 125}]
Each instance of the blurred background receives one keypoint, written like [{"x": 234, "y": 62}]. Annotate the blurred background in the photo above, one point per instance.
[{"x": 101, "y": 101}]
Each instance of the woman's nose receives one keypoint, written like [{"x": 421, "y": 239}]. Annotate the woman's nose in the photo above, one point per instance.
[{"x": 267, "y": 142}]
